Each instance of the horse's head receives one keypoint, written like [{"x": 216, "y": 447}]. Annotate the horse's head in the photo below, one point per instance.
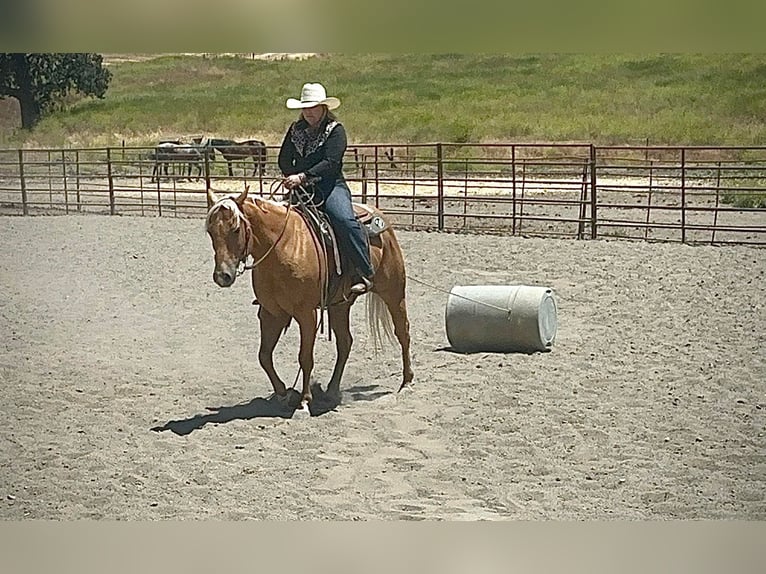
[{"x": 229, "y": 231}]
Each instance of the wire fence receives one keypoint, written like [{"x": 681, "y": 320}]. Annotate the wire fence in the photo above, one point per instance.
[{"x": 692, "y": 195}]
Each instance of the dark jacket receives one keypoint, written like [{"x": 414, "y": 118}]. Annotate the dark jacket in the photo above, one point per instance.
[{"x": 325, "y": 162}]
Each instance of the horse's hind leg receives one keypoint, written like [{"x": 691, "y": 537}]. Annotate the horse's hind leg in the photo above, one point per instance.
[
  {"x": 271, "y": 329},
  {"x": 397, "y": 307},
  {"x": 339, "y": 322}
]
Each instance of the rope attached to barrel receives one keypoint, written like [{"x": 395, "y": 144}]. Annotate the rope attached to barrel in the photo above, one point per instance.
[{"x": 508, "y": 311}]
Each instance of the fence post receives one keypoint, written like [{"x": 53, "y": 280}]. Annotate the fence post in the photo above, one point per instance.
[
  {"x": 717, "y": 202},
  {"x": 683, "y": 195},
  {"x": 440, "y": 186},
  {"x": 109, "y": 179},
  {"x": 413, "y": 161},
  {"x": 77, "y": 178},
  {"x": 465, "y": 194},
  {"x": 649, "y": 196},
  {"x": 159, "y": 194},
  {"x": 593, "y": 202},
  {"x": 583, "y": 201},
  {"x": 513, "y": 178},
  {"x": 66, "y": 191},
  {"x": 50, "y": 180},
  {"x": 207, "y": 176},
  {"x": 24, "y": 208}
]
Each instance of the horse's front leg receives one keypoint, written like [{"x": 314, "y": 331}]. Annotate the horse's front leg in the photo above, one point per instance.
[
  {"x": 272, "y": 327},
  {"x": 339, "y": 322},
  {"x": 307, "y": 322}
]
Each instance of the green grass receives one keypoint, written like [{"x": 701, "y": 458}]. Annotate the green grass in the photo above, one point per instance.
[{"x": 685, "y": 99}]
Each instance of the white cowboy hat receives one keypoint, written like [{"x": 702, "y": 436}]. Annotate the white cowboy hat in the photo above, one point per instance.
[{"x": 313, "y": 95}]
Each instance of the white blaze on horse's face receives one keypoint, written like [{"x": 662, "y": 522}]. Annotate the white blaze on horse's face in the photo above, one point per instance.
[{"x": 226, "y": 226}]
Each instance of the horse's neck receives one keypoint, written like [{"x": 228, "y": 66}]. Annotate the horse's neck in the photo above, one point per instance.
[{"x": 267, "y": 221}]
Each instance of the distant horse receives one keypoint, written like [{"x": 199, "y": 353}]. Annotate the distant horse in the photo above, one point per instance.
[
  {"x": 289, "y": 272},
  {"x": 174, "y": 152},
  {"x": 233, "y": 151}
]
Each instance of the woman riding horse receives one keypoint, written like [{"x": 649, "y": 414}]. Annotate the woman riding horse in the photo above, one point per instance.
[
  {"x": 290, "y": 270},
  {"x": 312, "y": 151}
]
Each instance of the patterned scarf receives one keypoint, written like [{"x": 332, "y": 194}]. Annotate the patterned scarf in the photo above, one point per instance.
[{"x": 307, "y": 141}]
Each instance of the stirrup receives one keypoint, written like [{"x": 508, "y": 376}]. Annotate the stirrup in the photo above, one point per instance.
[{"x": 364, "y": 286}]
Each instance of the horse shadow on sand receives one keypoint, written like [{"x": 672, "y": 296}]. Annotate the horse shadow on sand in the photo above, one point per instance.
[{"x": 272, "y": 407}]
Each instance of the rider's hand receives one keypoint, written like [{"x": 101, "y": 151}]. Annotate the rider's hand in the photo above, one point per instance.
[{"x": 293, "y": 181}]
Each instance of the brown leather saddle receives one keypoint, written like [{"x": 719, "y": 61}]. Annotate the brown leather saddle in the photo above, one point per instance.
[
  {"x": 319, "y": 225},
  {"x": 370, "y": 219}
]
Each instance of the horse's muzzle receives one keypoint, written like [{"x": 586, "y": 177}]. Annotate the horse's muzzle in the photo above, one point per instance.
[{"x": 224, "y": 278}]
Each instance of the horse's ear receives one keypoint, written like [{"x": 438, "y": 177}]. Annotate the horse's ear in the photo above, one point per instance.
[
  {"x": 242, "y": 196},
  {"x": 212, "y": 198}
]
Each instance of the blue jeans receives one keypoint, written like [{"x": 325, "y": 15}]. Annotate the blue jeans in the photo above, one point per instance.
[{"x": 352, "y": 239}]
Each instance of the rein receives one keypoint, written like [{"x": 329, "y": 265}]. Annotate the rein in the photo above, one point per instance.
[{"x": 249, "y": 238}]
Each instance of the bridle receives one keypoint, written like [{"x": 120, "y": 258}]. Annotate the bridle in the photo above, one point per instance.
[{"x": 242, "y": 264}]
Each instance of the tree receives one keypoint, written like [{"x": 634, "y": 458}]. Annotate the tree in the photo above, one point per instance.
[{"x": 40, "y": 81}]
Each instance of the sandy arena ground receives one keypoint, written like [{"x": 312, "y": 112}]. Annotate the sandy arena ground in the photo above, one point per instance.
[{"x": 130, "y": 386}]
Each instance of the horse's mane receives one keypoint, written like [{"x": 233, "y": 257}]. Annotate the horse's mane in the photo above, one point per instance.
[
  {"x": 228, "y": 202},
  {"x": 225, "y": 203}
]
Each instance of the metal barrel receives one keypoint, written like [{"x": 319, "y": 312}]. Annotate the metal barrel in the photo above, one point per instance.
[{"x": 501, "y": 318}]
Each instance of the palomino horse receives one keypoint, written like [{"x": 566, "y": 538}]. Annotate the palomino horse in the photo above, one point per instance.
[{"x": 289, "y": 273}]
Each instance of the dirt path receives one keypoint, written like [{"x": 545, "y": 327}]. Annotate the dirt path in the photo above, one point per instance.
[{"x": 651, "y": 404}]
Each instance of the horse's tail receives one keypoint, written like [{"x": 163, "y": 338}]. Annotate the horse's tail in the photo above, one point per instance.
[{"x": 379, "y": 321}]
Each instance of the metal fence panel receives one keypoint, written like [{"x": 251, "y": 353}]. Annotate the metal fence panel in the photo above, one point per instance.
[{"x": 661, "y": 193}]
